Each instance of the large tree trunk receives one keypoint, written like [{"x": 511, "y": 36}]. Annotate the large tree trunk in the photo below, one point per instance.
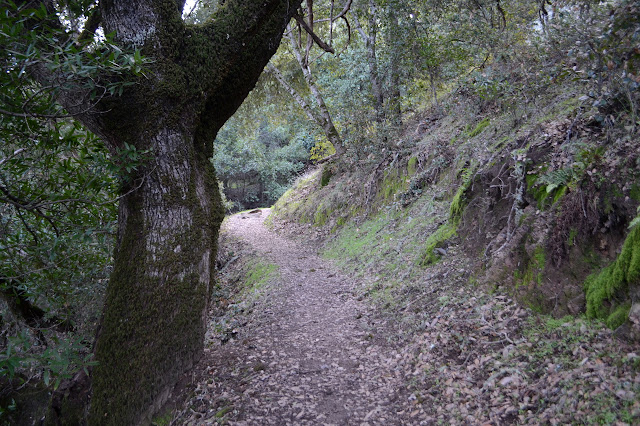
[{"x": 156, "y": 303}]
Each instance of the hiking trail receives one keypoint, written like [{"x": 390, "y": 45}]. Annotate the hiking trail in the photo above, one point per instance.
[{"x": 311, "y": 352}]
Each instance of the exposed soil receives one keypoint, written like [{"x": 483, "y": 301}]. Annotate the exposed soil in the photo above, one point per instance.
[{"x": 308, "y": 350}]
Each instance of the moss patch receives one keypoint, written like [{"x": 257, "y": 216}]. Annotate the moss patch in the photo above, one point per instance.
[
  {"x": 436, "y": 240},
  {"x": 635, "y": 192},
  {"x": 412, "y": 166},
  {"x": 607, "y": 292},
  {"x": 479, "y": 128},
  {"x": 459, "y": 201},
  {"x": 392, "y": 184},
  {"x": 259, "y": 274}
]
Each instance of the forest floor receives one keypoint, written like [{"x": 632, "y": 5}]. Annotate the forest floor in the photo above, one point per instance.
[
  {"x": 309, "y": 352},
  {"x": 302, "y": 344}
]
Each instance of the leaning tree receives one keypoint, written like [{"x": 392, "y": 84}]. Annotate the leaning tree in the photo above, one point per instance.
[{"x": 170, "y": 211}]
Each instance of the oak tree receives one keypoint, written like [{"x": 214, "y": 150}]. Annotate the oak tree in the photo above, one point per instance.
[{"x": 196, "y": 77}]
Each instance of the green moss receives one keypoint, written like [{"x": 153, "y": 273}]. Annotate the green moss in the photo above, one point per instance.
[
  {"x": 153, "y": 325},
  {"x": 459, "y": 201},
  {"x": 321, "y": 215},
  {"x": 571, "y": 240},
  {"x": 479, "y": 127},
  {"x": 618, "y": 316},
  {"x": 436, "y": 240},
  {"x": 392, "y": 184},
  {"x": 607, "y": 290},
  {"x": 259, "y": 274},
  {"x": 326, "y": 176},
  {"x": 530, "y": 278},
  {"x": 223, "y": 411},
  {"x": 635, "y": 192},
  {"x": 163, "y": 420},
  {"x": 356, "y": 241},
  {"x": 411, "y": 166}
]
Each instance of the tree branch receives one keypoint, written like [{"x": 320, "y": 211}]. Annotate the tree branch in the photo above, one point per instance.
[
  {"x": 313, "y": 35},
  {"x": 345, "y": 9},
  {"x": 271, "y": 69}
]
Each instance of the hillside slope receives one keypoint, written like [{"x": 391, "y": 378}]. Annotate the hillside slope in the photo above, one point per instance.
[{"x": 538, "y": 205}]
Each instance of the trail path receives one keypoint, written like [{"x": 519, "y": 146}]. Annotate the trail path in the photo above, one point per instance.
[{"x": 312, "y": 353}]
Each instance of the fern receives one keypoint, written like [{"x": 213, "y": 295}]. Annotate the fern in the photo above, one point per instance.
[{"x": 562, "y": 177}]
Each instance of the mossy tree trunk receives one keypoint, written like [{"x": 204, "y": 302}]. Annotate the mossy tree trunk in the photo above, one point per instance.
[{"x": 154, "y": 318}]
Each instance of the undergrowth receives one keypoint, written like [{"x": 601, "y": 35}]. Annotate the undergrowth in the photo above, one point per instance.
[{"x": 607, "y": 290}]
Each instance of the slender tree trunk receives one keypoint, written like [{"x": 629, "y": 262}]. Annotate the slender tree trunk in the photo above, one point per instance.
[
  {"x": 434, "y": 91},
  {"x": 328, "y": 127},
  {"x": 394, "y": 99},
  {"x": 372, "y": 61},
  {"x": 273, "y": 70}
]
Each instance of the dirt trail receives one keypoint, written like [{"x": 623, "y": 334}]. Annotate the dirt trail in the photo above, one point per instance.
[{"x": 311, "y": 353}]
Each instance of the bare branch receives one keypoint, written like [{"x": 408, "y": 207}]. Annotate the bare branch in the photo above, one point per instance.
[
  {"x": 346, "y": 8},
  {"x": 313, "y": 35}
]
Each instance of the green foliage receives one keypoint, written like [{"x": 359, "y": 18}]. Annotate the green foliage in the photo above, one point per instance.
[
  {"x": 257, "y": 165},
  {"x": 52, "y": 365},
  {"x": 58, "y": 190},
  {"x": 549, "y": 187},
  {"x": 607, "y": 291},
  {"x": 634, "y": 193}
]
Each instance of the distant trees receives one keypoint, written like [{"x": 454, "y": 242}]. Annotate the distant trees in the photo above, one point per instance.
[{"x": 256, "y": 161}]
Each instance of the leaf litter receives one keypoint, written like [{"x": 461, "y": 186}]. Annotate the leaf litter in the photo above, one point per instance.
[{"x": 310, "y": 349}]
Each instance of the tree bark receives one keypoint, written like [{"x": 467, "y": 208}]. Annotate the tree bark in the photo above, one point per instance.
[
  {"x": 327, "y": 125},
  {"x": 154, "y": 317},
  {"x": 372, "y": 59},
  {"x": 394, "y": 99},
  {"x": 156, "y": 302}
]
